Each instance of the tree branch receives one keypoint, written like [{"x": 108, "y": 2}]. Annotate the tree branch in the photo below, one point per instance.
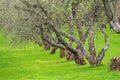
[
  {"x": 105, "y": 48},
  {"x": 115, "y": 23},
  {"x": 108, "y": 10},
  {"x": 80, "y": 46},
  {"x": 91, "y": 42},
  {"x": 55, "y": 44}
]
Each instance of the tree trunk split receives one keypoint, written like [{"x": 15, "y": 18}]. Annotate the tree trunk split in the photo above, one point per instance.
[{"x": 94, "y": 61}]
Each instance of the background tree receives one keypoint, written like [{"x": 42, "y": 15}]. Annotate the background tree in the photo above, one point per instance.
[{"x": 112, "y": 14}]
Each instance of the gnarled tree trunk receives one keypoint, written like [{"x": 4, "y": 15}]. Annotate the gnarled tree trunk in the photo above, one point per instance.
[
  {"x": 69, "y": 56},
  {"x": 79, "y": 58}
]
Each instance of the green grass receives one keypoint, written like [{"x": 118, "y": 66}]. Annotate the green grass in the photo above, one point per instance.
[{"x": 33, "y": 63}]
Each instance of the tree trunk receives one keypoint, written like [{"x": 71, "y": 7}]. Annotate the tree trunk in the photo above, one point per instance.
[
  {"x": 94, "y": 61},
  {"x": 62, "y": 52},
  {"x": 79, "y": 58},
  {"x": 69, "y": 56},
  {"x": 112, "y": 17},
  {"x": 116, "y": 11},
  {"x": 47, "y": 46},
  {"x": 115, "y": 63},
  {"x": 108, "y": 10},
  {"x": 115, "y": 23},
  {"x": 54, "y": 48},
  {"x": 91, "y": 42}
]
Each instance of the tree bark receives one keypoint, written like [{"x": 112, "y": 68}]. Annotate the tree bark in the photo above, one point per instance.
[
  {"x": 79, "y": 58},
  {"x": 62, "y": 52},
  {"x": 71, "y": 29},
  {"x": 112, "y": 18},
  {"x": 69, "y": 56},
  {"x": 116, "y": 11},
  {"x": 115, "y": 23},
  {"x": 105, "y": 48},
  {"x": 108, "y": 10},
  {"x": 47, "y": 46},
  {"x": 91, "y": 42}
]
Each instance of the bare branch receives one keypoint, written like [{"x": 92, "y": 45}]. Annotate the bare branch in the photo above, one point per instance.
[
  {"x": 54, "y": 44},
  {"x": 105, "y": 48}
]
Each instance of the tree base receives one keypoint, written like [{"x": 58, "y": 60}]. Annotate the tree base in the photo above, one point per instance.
[
  {"x": 94, "y": 61},
  {"x": 79, "y": 59},
  {"x": 47, "y": 46},
  {"x": 115, "y": 64},
  {"x": 69, "y": 56},
  {"x": 62, "y": 52}
]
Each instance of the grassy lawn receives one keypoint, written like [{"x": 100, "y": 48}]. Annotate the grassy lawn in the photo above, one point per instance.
[{"x": 33, "y": 63}]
